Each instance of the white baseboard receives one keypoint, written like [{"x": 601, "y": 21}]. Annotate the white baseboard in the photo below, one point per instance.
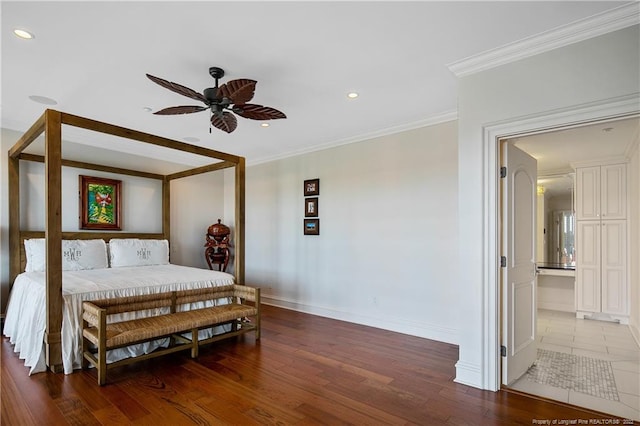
[
  {"x": 398, "y": 325},
  {"x": 468, "y": 374}
]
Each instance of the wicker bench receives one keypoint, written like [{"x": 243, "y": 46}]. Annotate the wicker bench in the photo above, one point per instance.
[{"x": 241, "y": 311}]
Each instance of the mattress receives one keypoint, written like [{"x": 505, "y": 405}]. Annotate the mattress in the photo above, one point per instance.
[{"x": 25, "y": 320}]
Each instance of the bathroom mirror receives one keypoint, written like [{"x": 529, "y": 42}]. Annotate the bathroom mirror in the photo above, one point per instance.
[
  {"x": 559, "y": 218},
  {"x": 562, "y": 238}
]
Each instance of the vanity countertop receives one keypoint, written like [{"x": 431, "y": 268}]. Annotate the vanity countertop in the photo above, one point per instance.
[
  {"x": 556, "y": 269},
  {"x": 564, "y": 266}
]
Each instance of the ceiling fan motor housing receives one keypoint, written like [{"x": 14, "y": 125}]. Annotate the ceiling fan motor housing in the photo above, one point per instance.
[{"x": 210, "y": 93}]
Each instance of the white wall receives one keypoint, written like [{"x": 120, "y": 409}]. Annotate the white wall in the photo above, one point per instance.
[
  {"x": 196, "y": 203},
  {"x": 556, "y": 293},
  {"x": 595, "y": 70},
  {"x": 141, "y": 199},
  {"x": 386, "y": 253}
]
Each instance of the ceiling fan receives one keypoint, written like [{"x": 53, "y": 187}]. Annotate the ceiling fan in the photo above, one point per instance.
[{"x": 222, "y": 100}]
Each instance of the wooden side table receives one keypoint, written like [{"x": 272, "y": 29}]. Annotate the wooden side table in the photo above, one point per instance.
[{"x": 217, "y": 256}]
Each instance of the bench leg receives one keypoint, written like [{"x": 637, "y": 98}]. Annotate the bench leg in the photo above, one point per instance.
[
  {"x": 194, "y": 343},
  {"x": 102, "y": 366},
  {"x": 85, "y": 348},
  {"x": 257, "y": 327},
  {"x": 102, "y": 347}
]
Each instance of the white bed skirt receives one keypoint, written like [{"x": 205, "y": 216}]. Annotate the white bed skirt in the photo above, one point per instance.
[{"x": 25, "y": 320}]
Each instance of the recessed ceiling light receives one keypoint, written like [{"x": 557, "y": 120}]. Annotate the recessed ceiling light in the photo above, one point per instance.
[
  {"x": 148, "y": 109},
  {"x": 265, "y": 124},
  {"x": 23, "y": 34},
  {"x": 191, "y": 139},
  {"x": 43, "y": 100},
  {"x": 352, "y": 95}
]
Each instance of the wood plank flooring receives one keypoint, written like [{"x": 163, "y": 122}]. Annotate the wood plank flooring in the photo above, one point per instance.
[{"x": 305, "y": 370}]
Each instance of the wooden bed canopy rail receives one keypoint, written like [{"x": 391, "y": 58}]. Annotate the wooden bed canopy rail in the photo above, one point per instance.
[{"x": 50, "y": 123}]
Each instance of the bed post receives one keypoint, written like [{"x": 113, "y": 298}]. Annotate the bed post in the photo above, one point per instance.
[
  {"x": 53, "y": 233},
  {"x": 239, "y": 219},
  {"x": 166, "y": 208},
  {"x": 14, "y": 218}
]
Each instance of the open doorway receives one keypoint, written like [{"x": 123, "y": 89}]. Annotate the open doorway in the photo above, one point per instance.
[{"x": 586, "y": 362}]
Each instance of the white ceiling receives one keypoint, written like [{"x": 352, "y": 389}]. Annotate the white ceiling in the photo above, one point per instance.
[
  {"x": 557, "y": 152},
  {"x": 92, "y": 59}
]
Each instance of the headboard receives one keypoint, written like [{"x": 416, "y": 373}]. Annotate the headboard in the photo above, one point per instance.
[{"x": 24, "y": 235}]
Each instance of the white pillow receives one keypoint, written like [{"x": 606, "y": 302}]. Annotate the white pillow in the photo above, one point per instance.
[
  {"x": 34, "y": 249},
  {"x": 84, "y": 254},
  {"x": 76, "y": 255},
  {"x": 138, "y": 252}
]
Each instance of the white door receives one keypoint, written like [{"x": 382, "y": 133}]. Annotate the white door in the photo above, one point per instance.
[
  {"x": 588, "y": 193},
  {"x": 614, "y": 267},
  {"x": 519, "y": 273},
  {"x": 613, "y": 190},
  {"x": 588, "y": 272}
]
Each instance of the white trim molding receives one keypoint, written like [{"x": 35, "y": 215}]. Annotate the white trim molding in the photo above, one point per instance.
[
  {"x": 443, "y": 117},
  {"x": 468, "y": 374},
  {"x": 398, "y": 325},
  {"x": 626, "y": 106},
  {"x": 602, "y": 23}
]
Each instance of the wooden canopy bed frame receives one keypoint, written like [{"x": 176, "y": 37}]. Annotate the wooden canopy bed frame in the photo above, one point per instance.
[{"x": 50, "y": 123}]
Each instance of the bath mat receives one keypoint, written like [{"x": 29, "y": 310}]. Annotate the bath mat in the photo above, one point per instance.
[{"x": 579, "y": 373}]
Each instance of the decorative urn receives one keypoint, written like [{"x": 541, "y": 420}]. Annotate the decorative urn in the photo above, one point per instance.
[{"x": 218, "y": 231}]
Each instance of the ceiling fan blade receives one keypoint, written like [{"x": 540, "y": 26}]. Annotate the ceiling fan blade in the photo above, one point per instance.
[
  {"x": 187, "y": 109},
  {"x": 238, "y": 91},
  {"x": 178, "y": 88},
  {"x": 227, "y": 122},
  {"x": 258, "y": 112}
]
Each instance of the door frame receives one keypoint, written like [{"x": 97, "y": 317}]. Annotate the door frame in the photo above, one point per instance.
[{"x": 576, "y": 116}]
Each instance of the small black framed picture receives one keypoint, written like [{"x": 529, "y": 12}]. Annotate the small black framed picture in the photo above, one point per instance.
[
  {"x": 311, "y": 207},
  {"x": 311, "y": 187},
  {"x": 312, "y": 227}
]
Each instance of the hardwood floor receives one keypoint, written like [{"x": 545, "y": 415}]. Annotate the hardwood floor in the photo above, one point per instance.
[{"x": 305, "y": 370}]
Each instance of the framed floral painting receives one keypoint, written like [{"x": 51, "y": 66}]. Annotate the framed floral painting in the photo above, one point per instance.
[{"x": 100, "y": 203}]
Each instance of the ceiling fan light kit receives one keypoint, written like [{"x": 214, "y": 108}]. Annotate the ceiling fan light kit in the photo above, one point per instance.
[{"x": 221, "y": 101}]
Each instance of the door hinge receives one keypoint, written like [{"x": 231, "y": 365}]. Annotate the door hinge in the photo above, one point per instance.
[
  {"x": 503, "y": 351},
  {"x": 503, "y": 261},
  {"x": 503, "y": 172}
]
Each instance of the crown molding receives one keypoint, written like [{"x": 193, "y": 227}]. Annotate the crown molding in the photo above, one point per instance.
[
  {"x": 430, "y": 121},
  {"x": 600, "y": 162},
  {"x": 602, "y": 23}
]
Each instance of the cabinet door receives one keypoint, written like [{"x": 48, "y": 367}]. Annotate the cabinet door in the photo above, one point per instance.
[
  {"x": 588, "y": 266},
  {"x": 588, "y": 193},
  {"x": 614, "y": 267},
  {"x": 613, "y": 192}
]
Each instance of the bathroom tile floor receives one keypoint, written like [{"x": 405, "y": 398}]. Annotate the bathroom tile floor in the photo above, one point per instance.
[{"x": 590, "y": 342}]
